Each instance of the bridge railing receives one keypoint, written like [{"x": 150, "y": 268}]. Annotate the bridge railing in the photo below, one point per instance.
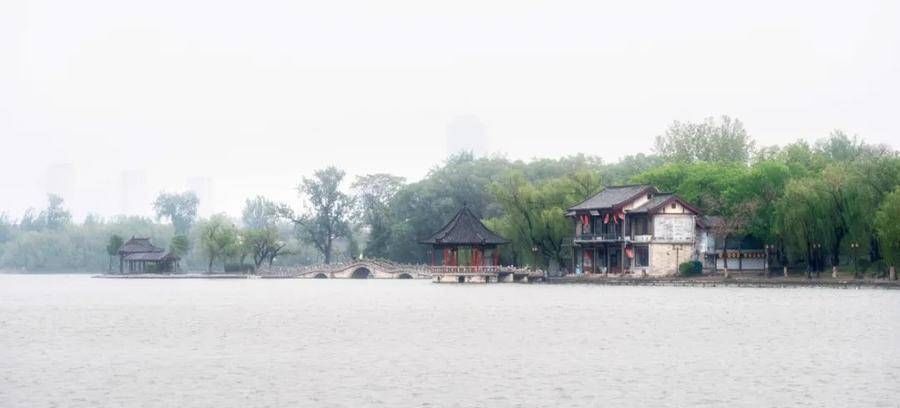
[{"x": 394, "y": 268}]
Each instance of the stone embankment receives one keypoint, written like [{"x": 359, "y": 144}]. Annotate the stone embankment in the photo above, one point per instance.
[
  {"x": 718, "y": 281},
  {"x": 177, "y": 276}
]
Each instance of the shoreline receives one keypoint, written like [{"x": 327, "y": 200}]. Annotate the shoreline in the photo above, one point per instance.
[
  {"x": 703, "y": 281},
  {"x": 744, "y": 282}
]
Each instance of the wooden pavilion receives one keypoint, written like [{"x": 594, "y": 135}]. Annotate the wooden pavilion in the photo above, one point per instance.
[
  {"x": 465, "y": 241},
  {"x": 138, "y": 255}
]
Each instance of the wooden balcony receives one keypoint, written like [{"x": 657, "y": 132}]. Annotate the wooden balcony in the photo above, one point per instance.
[{"x": 607, "y": 237}]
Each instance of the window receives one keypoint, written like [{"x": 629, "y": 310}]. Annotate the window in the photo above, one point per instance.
[
  {"x": 673, "y": 206},
  {"x": 641, "y": 256},
  {"x": 639, "y": 226}
]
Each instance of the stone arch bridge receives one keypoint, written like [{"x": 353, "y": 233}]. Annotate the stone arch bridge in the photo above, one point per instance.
[{"x": 363, "y": 269}]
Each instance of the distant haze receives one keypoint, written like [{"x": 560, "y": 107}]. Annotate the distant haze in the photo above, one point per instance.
[{"x": 110, "y": 102}]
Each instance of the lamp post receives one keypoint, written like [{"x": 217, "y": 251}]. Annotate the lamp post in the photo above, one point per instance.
[
  {"x": 677, "y": 249},
  {"x": 818, "y": 256},
  {"x": 853, "y": 248},
  {"x": 534, "y": 251}
]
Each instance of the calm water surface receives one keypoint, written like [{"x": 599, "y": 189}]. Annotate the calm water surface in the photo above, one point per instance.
[{"x": 73, "y": 341}]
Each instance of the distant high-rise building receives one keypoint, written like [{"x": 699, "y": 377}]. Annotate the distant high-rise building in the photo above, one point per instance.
[
  {"x": 466, "y": 134},
  {"x": 204, "y": 188},
  {"x": 134, "y": 196}
]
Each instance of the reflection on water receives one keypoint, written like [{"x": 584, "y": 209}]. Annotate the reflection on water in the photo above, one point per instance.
[{"x": 73, "y": 341}]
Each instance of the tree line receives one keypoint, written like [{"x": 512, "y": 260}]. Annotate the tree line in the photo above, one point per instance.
[{"x": 834, "y": 202}]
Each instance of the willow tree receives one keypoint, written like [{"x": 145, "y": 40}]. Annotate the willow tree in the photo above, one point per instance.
[
  {"x": 887, "y": 221},
  {"x": 804, "y": 217},
  {"x": 218, "y": 239},
  {"x": 535, "y": 218}
]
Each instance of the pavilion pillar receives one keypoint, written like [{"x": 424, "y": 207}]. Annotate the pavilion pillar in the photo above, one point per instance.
[{"x": 606, "y": 270}]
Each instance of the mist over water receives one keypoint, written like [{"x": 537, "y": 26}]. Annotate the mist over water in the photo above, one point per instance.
[{"x": 79, "y": 342}]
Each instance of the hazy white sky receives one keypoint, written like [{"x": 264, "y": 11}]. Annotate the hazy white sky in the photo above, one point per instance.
[{"x": 252, "y": 95}]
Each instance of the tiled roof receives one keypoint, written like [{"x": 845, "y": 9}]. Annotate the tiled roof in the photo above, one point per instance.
[
  {"x": 465, "y": 228},
  {"x": 137, "y": 245},
  {"x": 612, "y": 196},
  {"x": 655, "y": 201}
]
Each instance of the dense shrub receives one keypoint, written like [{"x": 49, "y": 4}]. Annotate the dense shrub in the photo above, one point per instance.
[
  {"x": 690, "y": 268},
  {"x": 236, "y": 267},
  {"x": 862, "y": 265},
  {"x": 879, "y": 269}
]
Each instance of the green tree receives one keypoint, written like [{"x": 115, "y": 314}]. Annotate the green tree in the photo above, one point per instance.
[
  {"x": 374, "y": 193},
  {"x": 535, "y": 213},
  {"x": 887, "y": 224},
  {"x": 722, "y": 140},
  {"x": 179, "y": 246},
  {"x": 259, "y": 213},
  {"x": 55, "y": 217},
  {"x": 262, "y": 244},
  {"x": 6, "y": 228},
  {"x": 112, "y": 248},
  {"x": 218, "y": 239},
  {"x": 327, "y": 209},
  {"x": 804, "y": 217},
  {"x": 179, "y": 208}
]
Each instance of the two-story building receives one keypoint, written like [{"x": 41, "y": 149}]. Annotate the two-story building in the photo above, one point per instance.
[{"x": 636, "y": 229}]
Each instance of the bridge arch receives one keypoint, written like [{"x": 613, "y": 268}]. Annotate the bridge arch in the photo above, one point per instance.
[
  {"x": 321, "y": 276},
  {"x": 404, "y": 275},
  {"x": 361, "y": 272}
]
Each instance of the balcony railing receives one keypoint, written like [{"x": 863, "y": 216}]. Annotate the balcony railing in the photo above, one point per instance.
[
  {"x": 612, "y": 237},
  {"x": 603, "y": 237}
]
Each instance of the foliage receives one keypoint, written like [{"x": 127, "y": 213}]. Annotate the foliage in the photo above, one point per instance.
[
  {"x": 723, "y": 140},
  {"x": 535, "y": 213},
  {"x": 218, "y": 239},
  {"x": 180, "y": 245},
  {"x": 263, "y": 245},
  {"x": 887, "y": 222},
  {"x": 112, "y": 248},
  {"x": 810, "y": 200},
  {"x": 179, "y": 208},
  {"x": 690, "y": 268},
  {"x": 325, "y": 219},
  {"x": 374, "y": 193},
  {"x": 259, "y": 213},
  {"x": 55, "y": 217}
]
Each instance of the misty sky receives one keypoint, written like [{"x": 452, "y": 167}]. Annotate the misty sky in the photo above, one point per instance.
[{"x": 253, "y": 95}]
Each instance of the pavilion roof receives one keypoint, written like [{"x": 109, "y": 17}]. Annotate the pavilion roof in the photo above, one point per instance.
[
  {"x": 613, "y": 196},
  {"x": 138, "y": 245},
  {"x": 465, "y": 228}
]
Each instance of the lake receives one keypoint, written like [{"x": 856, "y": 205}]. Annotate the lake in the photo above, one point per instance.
[{"x": 73, "y": 341}]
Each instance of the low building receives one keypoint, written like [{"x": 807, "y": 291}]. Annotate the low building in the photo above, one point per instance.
[
  {"x": 464, "y": 250},
  {"x": 636, "y": 230},
  {"x": 138, "y": 255}
]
